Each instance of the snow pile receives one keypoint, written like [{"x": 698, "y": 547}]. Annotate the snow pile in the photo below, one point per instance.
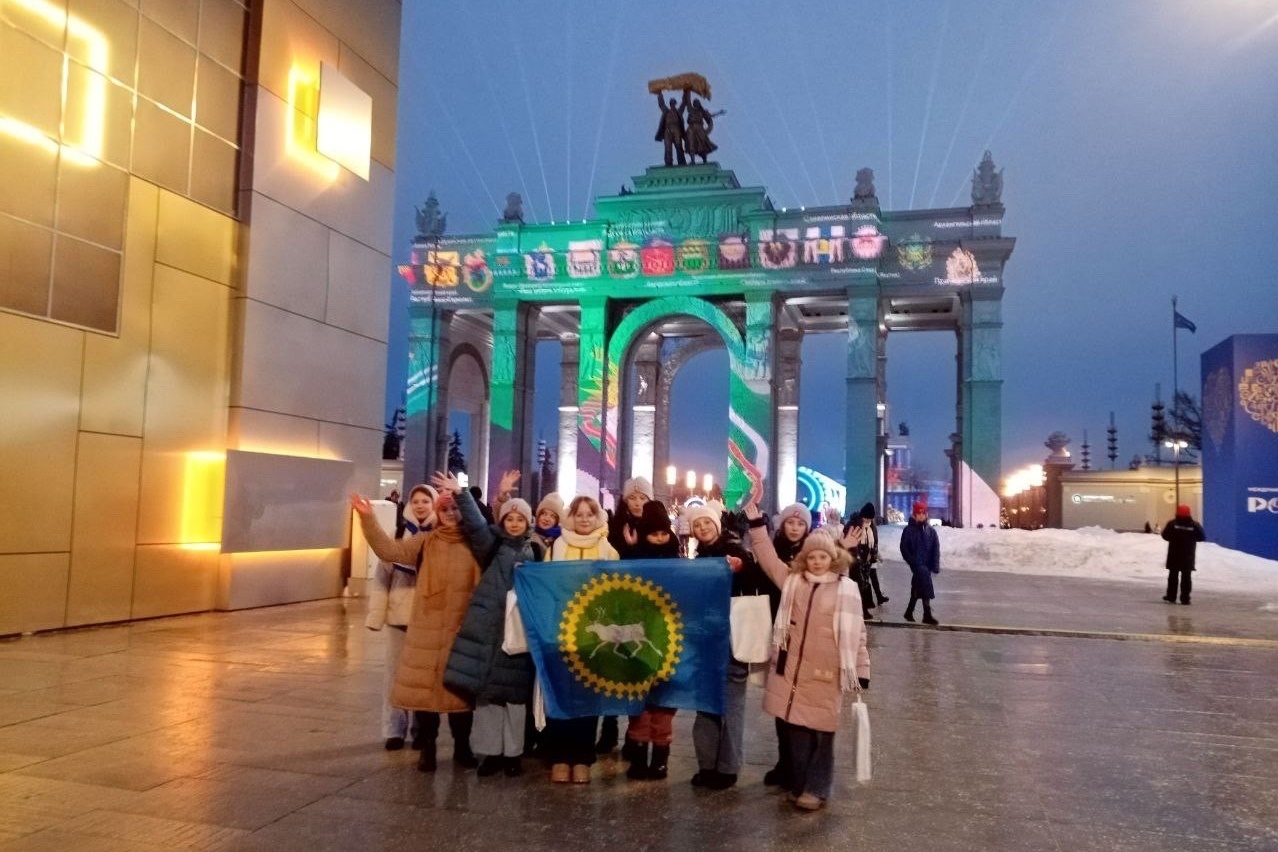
[{"x": 1091, "y": 552}]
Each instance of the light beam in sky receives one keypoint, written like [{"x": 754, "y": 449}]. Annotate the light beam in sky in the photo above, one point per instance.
[
  {"x": 532, "y": 121},
  {"x": 568, "y": 111},
  {"x": 967, "y": 101},
  {"x": 603, "y": 110},
  {"x": 931, "y": 91},
  {"x": 448, "y": 116},
  {"x": 478, "y": 53},
  {"x": 1016, "y": 95}
]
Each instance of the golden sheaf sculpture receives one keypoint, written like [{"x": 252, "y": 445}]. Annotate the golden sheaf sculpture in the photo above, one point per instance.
[
  {"x": 1258, "y": 393},
  {"x": 695, "y": 83}
]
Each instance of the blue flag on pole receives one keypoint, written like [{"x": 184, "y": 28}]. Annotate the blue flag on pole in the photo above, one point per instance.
[
  {"x": 608, "y": 637},
  {"x": 1181, "y": 321}
]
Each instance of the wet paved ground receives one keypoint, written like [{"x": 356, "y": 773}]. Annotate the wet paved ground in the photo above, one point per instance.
[{"x": 257, "y": 730}]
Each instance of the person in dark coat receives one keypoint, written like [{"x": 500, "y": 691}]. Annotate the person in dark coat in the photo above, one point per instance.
[
  {"x": 861, "y": 538},
  {"x": 1182, "y": 534},
  {"x": 500, "y": 683},
  {"x": 655, "y": 725},
  {"x": 921, "y": 550},
  {"x": 719, "y": 740}
]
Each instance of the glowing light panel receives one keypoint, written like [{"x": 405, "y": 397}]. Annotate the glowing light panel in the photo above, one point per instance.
[
  {"x": 202, "y": 487},
  {"x": 345, "y": 131},
  {"x": 86, "y": 149}
]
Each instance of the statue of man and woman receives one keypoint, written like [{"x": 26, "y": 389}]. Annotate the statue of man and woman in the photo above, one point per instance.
[{"x": 684, "y": 142}]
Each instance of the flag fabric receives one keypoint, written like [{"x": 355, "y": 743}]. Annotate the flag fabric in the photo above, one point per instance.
[
  {"x": 1181, "y": 321},
  {"x": 608, "y": 637}
]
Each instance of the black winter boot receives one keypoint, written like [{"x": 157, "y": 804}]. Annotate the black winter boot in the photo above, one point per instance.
[
  {"x": 657, "y": 769},
  {"x": 607, "y": 735},
  {"x": 638, "y": 762}
]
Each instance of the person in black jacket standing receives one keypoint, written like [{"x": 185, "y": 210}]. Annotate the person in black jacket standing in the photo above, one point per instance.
[{"x": 1182, "y": 535}]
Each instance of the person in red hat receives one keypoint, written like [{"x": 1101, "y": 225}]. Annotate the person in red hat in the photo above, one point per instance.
[
  {"x": 921, "y": 550},
  {"x": 1182, "y": 534}
]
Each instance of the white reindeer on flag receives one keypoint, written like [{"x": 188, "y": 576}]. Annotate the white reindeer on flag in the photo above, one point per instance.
[{"x": 618, "y": 636}]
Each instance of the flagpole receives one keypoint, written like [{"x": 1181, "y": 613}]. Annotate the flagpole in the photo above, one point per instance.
[{"x": 1175, "y": 370}]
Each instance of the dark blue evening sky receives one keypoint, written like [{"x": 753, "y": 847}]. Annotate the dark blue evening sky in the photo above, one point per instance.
[{"x": 1137, "y": 138}]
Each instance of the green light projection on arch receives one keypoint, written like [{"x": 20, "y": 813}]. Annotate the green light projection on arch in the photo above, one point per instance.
[{"x": 749, "y": 412}]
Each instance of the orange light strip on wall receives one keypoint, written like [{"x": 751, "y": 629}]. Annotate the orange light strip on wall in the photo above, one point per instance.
[
  {"x": 302, "y": 123},
  {"x": 87, "y": 149},
  {"x": 202, "y": 488}
]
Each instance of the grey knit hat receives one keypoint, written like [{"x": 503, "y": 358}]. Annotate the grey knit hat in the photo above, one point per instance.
[{"x": 519, "y": 506}]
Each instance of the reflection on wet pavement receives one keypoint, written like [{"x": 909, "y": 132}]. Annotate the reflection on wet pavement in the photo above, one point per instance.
[{"x": 258, "y": 730}]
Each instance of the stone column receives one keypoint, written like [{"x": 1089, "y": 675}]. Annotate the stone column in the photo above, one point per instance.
[
  {"x": 594, "y": 443},
  {"x": 426, "y": 404},
  {"x": 566, "y": 464},
  {"x": 981, "y": 404},
  {"x": 510, "y": 406},
  {"x": 751, "y": 407},
  {"x": 789, "y": 363},
  {"x": 861, "y": 421},
  {"x": 641, "y": 439}
]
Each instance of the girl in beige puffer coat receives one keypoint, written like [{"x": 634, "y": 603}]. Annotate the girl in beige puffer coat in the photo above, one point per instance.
[
  {"x": 819, "y": 653},
  {"x": 390, "y": 604}
]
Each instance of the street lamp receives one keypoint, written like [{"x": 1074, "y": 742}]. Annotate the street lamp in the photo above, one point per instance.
[{"x": 1176, "y": 445}]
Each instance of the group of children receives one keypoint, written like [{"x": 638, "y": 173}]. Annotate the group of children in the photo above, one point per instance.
[{"x": 442, "y": 592}]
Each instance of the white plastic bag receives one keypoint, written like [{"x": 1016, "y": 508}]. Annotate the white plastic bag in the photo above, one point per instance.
[
  {"x": 861, "y": 733},
  {"x": 751, "y": 622},
  {"x": 514, "y": 640}
]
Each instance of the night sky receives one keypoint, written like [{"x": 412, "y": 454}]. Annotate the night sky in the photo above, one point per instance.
[{"x": 1137, "y": 138}]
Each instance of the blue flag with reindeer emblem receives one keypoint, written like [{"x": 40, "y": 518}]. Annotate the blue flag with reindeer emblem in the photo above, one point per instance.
[{"x": 610, "y": 637}]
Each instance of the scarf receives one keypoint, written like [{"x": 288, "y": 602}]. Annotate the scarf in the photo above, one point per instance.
[
  {"x": 846, "y": 615},
  {"x": 411, "y": 528},
  {"x": 589, "y": 541}
]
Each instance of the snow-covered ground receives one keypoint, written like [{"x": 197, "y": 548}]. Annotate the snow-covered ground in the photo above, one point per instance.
[{"x": 1093, "y": 553}]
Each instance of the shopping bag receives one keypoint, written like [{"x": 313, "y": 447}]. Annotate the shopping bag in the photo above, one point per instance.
[
  {"x": 514, "y": 640},
  {"x": 751, "y": 624},
  {"x": 861, "y": 735}
]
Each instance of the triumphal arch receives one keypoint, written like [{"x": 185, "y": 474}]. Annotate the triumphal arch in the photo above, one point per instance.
[{"x": 690, "y": 259}]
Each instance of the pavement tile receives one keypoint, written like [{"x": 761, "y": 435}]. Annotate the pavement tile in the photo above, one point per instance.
[{"x": 259, "y": 730}]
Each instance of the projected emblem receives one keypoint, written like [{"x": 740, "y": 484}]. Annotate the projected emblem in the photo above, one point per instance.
[
  {"x": 475, "y": 271},
  {"x": 540, "y": 265},
  {"x": 693, "y": 256},
  {"x": 620, "y": 635},
  {"x": 657, "y": 257},
  {"x": 583, "y": 258},
  {"x": 961, "y": 268},
  {"x": 867, "y": 242},
  {"x": 623, "y": 260},
  {"x": 777, "y": 249},
  {"x": 733, "y": 252},
  {"x": 914, "y": 253}
]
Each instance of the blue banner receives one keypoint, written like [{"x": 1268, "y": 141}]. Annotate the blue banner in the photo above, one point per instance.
[{"x": 609, "y": 637}]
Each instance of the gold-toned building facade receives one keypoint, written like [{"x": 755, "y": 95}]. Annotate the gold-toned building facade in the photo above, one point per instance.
[{"x": 194, "y": 250}]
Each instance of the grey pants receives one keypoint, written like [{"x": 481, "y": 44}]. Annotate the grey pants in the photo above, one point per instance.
[
  {"x": 718, "y": 740},
  {"x": 499, "y": 730},
  {"x": 811, "y": 760}
]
